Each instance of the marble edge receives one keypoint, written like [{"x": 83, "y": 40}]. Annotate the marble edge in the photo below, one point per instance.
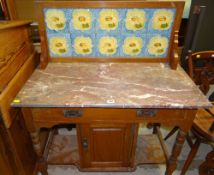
[{"x": 208, "y": 105}]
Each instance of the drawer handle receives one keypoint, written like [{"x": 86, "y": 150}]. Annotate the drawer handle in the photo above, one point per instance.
[
  {"x": 146, "y": 112},
  {"x": 72, "y": 113}
]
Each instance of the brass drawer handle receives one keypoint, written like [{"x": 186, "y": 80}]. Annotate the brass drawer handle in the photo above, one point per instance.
[
  {"x": 146, "y": 112},
  {"x": 72, "y": 113}
]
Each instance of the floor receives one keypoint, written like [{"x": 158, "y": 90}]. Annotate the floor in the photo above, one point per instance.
[{"x": 143, "y": 169}]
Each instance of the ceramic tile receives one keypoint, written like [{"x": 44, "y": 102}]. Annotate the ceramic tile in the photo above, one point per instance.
[{"x": 76, "y": 22}]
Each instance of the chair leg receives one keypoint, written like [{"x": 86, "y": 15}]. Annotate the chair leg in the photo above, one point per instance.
[
  {"x": 191, "y": 155},
  {"x": 171, "y": 132},
  {"x": 189, "y": 140},
  {"x": 207, "y": 167}
]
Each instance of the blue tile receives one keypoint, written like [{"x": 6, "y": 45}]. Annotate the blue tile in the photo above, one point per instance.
[
  {"x": 72, "y": 29},
  {"x": 68, "y": 41},
  {"x": 98, "y": 29},
  {"x": 164, "y": 32},
  {"x": 98, "y": 53},
  {"x": 67, "y": 18},
  {"x": 147, "y": 54},
  {"x": 120, "y": 33},
  {"x": 142, "y": 52},
  {"x": 144, "y": 30},
  {"x": 76, "y": 35}
]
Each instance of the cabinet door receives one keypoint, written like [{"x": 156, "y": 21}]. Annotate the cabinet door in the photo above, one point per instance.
[{"x": 106, "y": 145}]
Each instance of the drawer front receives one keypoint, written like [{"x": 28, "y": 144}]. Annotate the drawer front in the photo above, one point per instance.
[
  {"x": 81, "y": 115},
  {"x": 15, "y": 49}
]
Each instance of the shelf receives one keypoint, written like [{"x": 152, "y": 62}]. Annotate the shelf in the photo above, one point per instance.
[
  {"x": 63, "y": 150},
  {"x": 149, "y": 150}
]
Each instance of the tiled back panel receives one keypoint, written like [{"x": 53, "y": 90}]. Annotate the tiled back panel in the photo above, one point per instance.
[{"x": 144, "y": 39}]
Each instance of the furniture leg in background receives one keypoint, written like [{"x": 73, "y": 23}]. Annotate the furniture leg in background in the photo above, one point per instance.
[{"x": 207, "y": 167}]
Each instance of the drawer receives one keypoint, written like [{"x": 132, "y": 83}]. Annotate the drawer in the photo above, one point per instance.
[
  {"x": 81, "y": 115},
  {"x": 15, "y": 49}
]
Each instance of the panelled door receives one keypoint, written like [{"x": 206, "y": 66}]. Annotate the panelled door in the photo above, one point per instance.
[{"x": 106, "y": 145}]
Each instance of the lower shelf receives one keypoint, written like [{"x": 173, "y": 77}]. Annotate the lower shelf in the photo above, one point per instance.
[
  {"x": 149, "y": 150},
  {"x": 64, "y": 150}
]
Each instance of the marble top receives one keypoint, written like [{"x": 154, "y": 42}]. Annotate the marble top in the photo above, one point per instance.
[{"x": 110, "y": 85}]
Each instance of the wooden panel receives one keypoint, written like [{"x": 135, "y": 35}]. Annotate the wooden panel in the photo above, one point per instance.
[
  {"x": 54, "y": 116},
  {"x": 106, "y": 145},
  {"x": 16, "y": 150},
  {"x": 17, "y": 61},
  {"x": 25, "y": 9},
  {"x": 14, "y": 86},
  {"x": 13, "y": 53},
  {"x": 109, "y": 139},
  {"x": 7, "y": 161},
  {"x": 22, "y": 146},
  {"x": 13, "y": 24}
]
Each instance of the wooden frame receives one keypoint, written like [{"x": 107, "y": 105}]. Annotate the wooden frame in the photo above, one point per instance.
[{"x": 172, "y": 56}]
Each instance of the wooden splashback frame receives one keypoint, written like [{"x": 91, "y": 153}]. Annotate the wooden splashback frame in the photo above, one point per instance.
[{"x": 172, "y": 56}]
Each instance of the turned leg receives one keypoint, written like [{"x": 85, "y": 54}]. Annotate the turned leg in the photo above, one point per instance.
[
  {"x": 172, "y": 162},
  {"x": 34, "y": 133},
  {"x": 36, "y": 142},
  {"x": 191, "y": 155},
  {"x": 42, "y": 164}
]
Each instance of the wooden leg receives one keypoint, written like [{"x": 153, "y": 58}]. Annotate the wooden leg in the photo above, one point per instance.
[
  {"x": 155, "y": 125},
  {"x": 207, "y": 167},
  {"x": 191, "y": 155},
  {"x": 35, "y": 137},
  {"x": 36, "y": 142},
  {"x": 42, "y": 164},
  {"x": 172, "y": 162},
  {"x": 189, "y": 140},
  {"x": 171, "y": 132}
]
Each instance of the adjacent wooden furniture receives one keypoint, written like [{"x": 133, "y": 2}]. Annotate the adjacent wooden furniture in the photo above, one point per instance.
[
  {"x": 9, "y": 9},
  {"x": 207, "y": 166},
  {"x": 107, "y": 97},
  {"x": 201, "y": 70},
  {"x": 201, "y": 129},
  {"x": 17, "y": 62}
]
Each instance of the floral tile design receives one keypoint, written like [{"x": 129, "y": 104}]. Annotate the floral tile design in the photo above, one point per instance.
[{"x": 99, "y": 32}]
